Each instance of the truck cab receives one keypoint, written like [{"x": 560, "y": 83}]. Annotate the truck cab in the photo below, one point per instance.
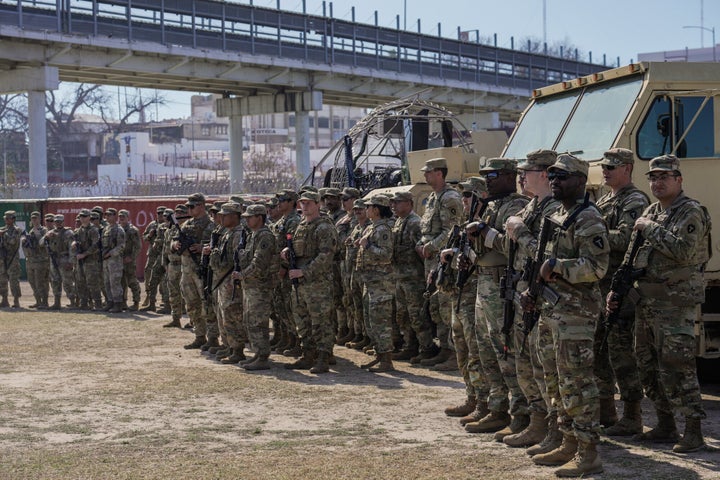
[{"x": 651, "y": 109}]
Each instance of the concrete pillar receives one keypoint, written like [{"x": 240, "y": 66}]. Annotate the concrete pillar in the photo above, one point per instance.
[
  {"x": 480, "y": 120},
  {"x": 235, "y": 132},
  {"x": 38, "y": 137},
  {"x": 302, "y": 144}
]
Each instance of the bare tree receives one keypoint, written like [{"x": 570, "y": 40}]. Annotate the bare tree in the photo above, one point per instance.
[
  {"x": 134, "y": 107},
  {"x": 560, "y": 48}
]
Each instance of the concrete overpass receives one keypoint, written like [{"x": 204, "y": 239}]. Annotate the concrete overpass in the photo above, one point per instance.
[{"x": 259, "y": 59}]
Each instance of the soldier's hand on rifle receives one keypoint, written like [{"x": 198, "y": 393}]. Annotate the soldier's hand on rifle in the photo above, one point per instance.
[
  {"x": 511, "y": 226},
  {"x": 284, "y": 253},
  {"x": 611, "y": 303},
  {"x": 196, "y": 248},
  {"x": 427, "y": 251},
  {"x": 641, "y": 223},
  {"x": 236, "y": 275},
  {"x": 80, "y": 256},
  {"x": 464, "y": 262},
  {"x": 282, "y": 272},
  {"x": 206, "y": 250},
  {"x": 475, "y": 228},
  {"x": 546, "y": 270},
  {"x": 526, "y": 301},
  {"x": 175, "y": 246},
  {"x": 295, "y": 273},
  {"x": 446, "y": 255}
]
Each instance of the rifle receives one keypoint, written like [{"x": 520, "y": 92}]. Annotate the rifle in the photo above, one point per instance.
[
  {"x": 207, "y": 272},
  {"x": 507, "y": 293},
  {"x": 464, "y": 270},
  {"x": 292, "y": 261},
  {"x": 186, "y": 241},
  {"x": 622, "y": 287},
  {"x": 79, "y": 250},
  {"x": 53, "y": 256},
  {"x": 437, "y": 274},
  {"x": 29, "y": 240},
  {"x": 236, "y": 261}
]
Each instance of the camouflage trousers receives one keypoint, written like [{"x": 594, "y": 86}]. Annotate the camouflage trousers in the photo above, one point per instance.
[
  {"x": 615, "y": 361},
  {"x": 257, "y": 306},
  {"x": 38, "y": 273},
  {"x": 665, "y": 349},
  {"x": 528, "y": 365},
  {"x": 192, "y": 291},
  {"x": 466, "y": 345},
  {"x": 86, "y": 277},
  {"x": 231, "y": 318},
  {"x": 112, "y": 275},
  {"x": 129, "y": 280},
  {"x": 346, "y": 279},
  {"x": 172, "y": 279},
  {"x": 489, "y": 308},
  {"x": 356, "y": 289},
  {"x": 154, "y": 280},
  {"x": 409, "y": 316},
  {"x": 282, "y": 305},
  {"x": 312, "y": 310},
  {"x": 579, "y": 409},
  {"x": 378, "y": 309},
  {"x": 340, "y": 314},
  {"x": 149, "y": 265},
  {"x": 439, "y": 310},
  {"x": 10, "y": 274}
]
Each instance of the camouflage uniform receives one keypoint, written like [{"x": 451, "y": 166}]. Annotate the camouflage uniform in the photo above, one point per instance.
[
  {"x": 673, "y": 255},
  {"x": 113, "y": 244},
  {"x": 442, "y": 211},
  {"x": 130, "y": 254},
  {"x": 356, "y": 288},
  {"x": 615, "y": 361},
  {"x": 37, "y": 264},
  {"x": 344, "y": 227},
  {"x": 191, "y": 284},
  {"x": 61, "y": 273},
  {"x": 173, "y": 271},
  {"x": 214, "y": 312},
  {"x": 86, "y": 241},
  {"x": 10, "y": 261},
  {"x": 315, "y": 243},
  {"x": 154, "y": 272},
  {"x": 374, "y": 265},
  {"x": 157, "y": 274},
  {"x": 282, "y": 303}
]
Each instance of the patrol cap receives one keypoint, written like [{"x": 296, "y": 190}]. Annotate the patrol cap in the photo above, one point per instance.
[
  {"x": 124, "y": 213},
  {"x": 308, "y": 195},
  {"x": 402, "y": 197},
  {"x": 214, "y": 208},
  {"x": 195, "y": 199},
  {"x": 181, "y": 208},
  {"x": 499, "y": 164},
  {"x": 474, "y": 184},
  {"x": 287, "y": 195},
  {"x": 308, "y": 188},
  {"x": 111, "y": 211},
  {"x": 237, "y": 199},
  {"x": 359, "y": 203},
  {"x": 330, "y": 192},
  {"x": 35, "y": 214},
  {"x": 378, "y": 200},
  {"x": 84, "y": 213},
  {"x": 255, "y": 209},
  {"x": 49, "y": 216},
  {"x": 231, "y": 207},
  {"x": 59, "y": 218},
  {"x": 168, "y": 212},
  {"x": 664, "y": 163},
  {"x": 433, "y": 164},
  {"x": 94, "y": 216},
  {"x": 537, "y": 160},
  {"x": 350, "y": 192},
  {"x": 10, "y": 214},
  {"x": 160, "y": 210},
  {"x": 617, "y": 157},
  {"x": 272, "y": 202},
  {"x": 97, "y": 209},
  {"x": 571, "y": 164}
]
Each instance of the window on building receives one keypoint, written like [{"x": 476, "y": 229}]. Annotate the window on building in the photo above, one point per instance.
[
  {"x": 323, "y": 122},
  {"x": 221, "y": 129},
  {"x": 291, "y": 120},
  {"x": 337, "y": 123},
  {"x": 205, "y": 130}
]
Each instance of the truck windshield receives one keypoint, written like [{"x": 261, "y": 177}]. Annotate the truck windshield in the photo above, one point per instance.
[{"x": 589, "y": 129}]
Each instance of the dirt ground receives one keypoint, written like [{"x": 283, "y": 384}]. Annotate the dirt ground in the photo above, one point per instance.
[{"x": 94, "y": 396}]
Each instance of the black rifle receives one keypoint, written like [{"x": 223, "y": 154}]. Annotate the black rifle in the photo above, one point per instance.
[
  {"x": 464, "y": 269},
  {"x": 622, "y": 286},
  {"x": 78, "y": 251},
  {"x": 53, "y": 256},
  {"x": 508, "y": 283},
  {"x": 292, "y": 263},
  {"x": 29, "y": 240},
  {"x": 236, "y": 260},
  {"x": 186, "y": 241},
  {"x": 437, "y": 274}
]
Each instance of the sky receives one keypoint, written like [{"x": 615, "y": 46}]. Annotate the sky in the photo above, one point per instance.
[{"x": 617, "y": 28}]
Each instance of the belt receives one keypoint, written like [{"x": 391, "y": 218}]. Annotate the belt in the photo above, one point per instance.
[{"x": 489, "y": 270}]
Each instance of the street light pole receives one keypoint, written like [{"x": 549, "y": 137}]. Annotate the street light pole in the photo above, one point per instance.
[{"x": 711, "y": 30}]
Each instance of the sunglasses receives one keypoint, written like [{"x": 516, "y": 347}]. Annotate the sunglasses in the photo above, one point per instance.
[
  {"x": 609, "y": 167},
  {"x": 660, "y": 178},
  {"x": 560, "y": 176},
  {"x": 523, "y": 173},
  {"x": 467, "y": 194}
]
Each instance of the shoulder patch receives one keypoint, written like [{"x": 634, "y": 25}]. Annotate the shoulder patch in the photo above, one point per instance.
[
  {"x": 690, "y": 228},
  {"x": 598, "y": 242},
  {"x": 633, "y": 214},
  {"x": 453, "y": 212}
]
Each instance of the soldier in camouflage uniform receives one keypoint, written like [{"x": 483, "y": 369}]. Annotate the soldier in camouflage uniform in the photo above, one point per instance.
[
  {"x": 504, "y": 202},
  {"x": 96, "y": 218},
  {"x": 10, "y": 260},
  {"x": 215, "y": 328},
  {"x": 258, "y": 266},
  {"x": 198, "y": 230},
  {"x": 676, "y": 246},
  {"x": 344, "y": 226},
  {"x": 409, "y": 281},
  {"x": 58, "y": 242},
  {"x": 530, "y": 361},
  {"x": 331, "y": 203},
  {"x": 615, "y": 358},
  {"x": 87, "y": 253},
  {"x": 150, "y": 235},
  {"x": 37, "y": 261},
  {"x": 442, "y": 211},
  {"x": 158, "y": 272},
  {"x": 463, "y": 318},
  {"x": 360, "y": 339},
  {"x": 314, "y": 242},
  {"x": 375, "y": 269},
  {"x": 229, "y": 295},
  {"x": 578, "y": 256},
  {"x": 285, "y": 225},
  {"x": 172, "y": 262},
  {"x": 113, "y": 246},
  {"x": 130, "y": 254}
]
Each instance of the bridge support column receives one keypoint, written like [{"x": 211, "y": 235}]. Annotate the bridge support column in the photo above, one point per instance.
[
  {"x": 480, "y": 120},
  {"x": 235, "y": 132},
  {"x": 38, "y": 138},
  {"x": 302, "y": 144}
]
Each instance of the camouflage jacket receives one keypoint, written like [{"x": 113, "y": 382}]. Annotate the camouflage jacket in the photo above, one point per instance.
[
  {"x": 258, "y": 260},
  {"x": 344, "y": 226},
  {"x": 35, "y": 249},
  {"x": 442, "y": 211},
  {"x": 87, "y": 240},
  {"x": 406, "y": 234},
  {"x": 150, "y": 235},
  {"x": 315, "y": 243},
  {"x": 113, "y": 240},
  {"x": 376, "y": 257},
  {"x": 527, "y": 234},
  {"x": 199, "y": 229},
  {"x": 350, "y": 249},
  {"x": 132, "y": 241},
  {"x": 492, "y": 250},
  {"x": 10, "y": 243}
]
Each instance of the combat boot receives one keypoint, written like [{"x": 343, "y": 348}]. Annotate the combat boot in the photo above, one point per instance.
[
  {"x": 4, "y": 303},
  {"x": 531, "y": 435},
  {"x": 492, "y": 422},
  {"x": 356, "y": 339},
  {"x": 349, "y": 337},
  {"x": 16, "y": 302},
  {"x": 385, "y": 364},
  {"x": 174, "y": 323},
  {"x": 461, "y": 410},
  {"x": 149, "y": 306},
  {"x": 342, "y": 333},
  {"x": 553, "y": 439},
  {"x": 260, "y": 363},
  {"x": 449, "y": 365},
  {"x": 305, "y": 362},
  {"x": 608, "y": 413},
  {"x": 692, "y": 439},
  {"x": 665, "y": 432},
  {"x": 134, "y": 307},
  {"x": 277, "y": 336},
  {"x": 425, "y": 354},
  {"x": 43, "y": 304},
  {"x": 164, "y": 309},
  {"x": 211, "y": 342},
  {"x": 84, "y": 304},
  {"x": 561, "y": 455},
  {"x": 405, "y": 354},
  {"x": 56, "y": 304},
  {"x": 116, "y": 307},
  {"x": 371, "y": 363},
  {"x": 586, "y": 462},
  {"x": 98, "y": 305},
  {"x": 442, "y": 356},
  {"x": 146, "y": 302},
  {"x": 217, "y": 348},
  {"x": 294, "y": 349},
  {"x": 228, "y": 352},
  {"x": 364, "y": 342},
  {"x": 321, "y": 364},
  {"x": 200, "y": 340},
  {"x": 517, "y": 425},
  {"x": 481, "y": 409},
  {"x": 282, "y": 344},
  {"x": 237, "y": 357},
  {"x": 36, "y": 304},
  {"x": 630, "y": 423}
]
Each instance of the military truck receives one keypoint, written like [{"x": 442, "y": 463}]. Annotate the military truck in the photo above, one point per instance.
[{"x": 651, "y": 109}]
